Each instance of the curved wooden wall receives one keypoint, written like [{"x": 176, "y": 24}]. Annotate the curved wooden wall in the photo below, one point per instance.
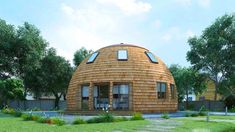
[{"x": 137, "y": 70}]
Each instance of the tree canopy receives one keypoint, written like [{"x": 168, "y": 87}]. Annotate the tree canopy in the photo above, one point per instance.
[
  {"x": 80, "y": 55},
  {"x": 213, "y": 52},
  {"x": 11, "y": 88},
  {"x": 55, "y": 74},
  {"x": 187, "y": 80}
]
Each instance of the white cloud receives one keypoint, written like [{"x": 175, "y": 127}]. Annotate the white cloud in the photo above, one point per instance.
[
  {"x": 175, "y": 33},
  {"x": 189, "y": 33},
  {"x": 204, "y": 3},
  {"x": 93, "y": 26},
  {"x": 184, "y": 2},
  {"x": 67, "y": 9},
  {"x": 201, "y": 3},
  {"x": 128, "y": 7}
]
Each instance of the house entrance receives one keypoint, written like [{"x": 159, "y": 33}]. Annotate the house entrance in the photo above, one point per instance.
[{"x": 101, "y": 96}]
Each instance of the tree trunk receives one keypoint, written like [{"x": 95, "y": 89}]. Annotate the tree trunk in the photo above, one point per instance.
[
  {"x": 187, "y": 99},
  {"x": 57, "y": 99},
  {"x": 216, "y": 90}
]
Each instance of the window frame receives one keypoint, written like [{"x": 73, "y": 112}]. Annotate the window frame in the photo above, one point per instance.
[
  {"x": 158, "y": 95},
  {"x": 97, "y": 53},
  {"x": 126, "y": 55},
  {"x": 147, "y": 54},
  {"x": 117, "y": 96},
  {"x": 172, "y": 94}
]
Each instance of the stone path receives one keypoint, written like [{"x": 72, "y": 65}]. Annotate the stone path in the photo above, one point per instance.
[{"x": 160, "y": 125}]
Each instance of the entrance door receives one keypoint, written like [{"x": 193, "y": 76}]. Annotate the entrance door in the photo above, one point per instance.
[{"x": 101, "y": 96}]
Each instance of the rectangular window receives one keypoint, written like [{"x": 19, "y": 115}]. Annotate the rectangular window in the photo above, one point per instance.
[
  {"x": 161, "y": 90},
  {"x": 92, "y": 57},
  {"x": 85, "y": 97},
  {"x": 121, "y": 97},
  {"x": 172, "y": 91},
  {"x": 122, "y": 55},
  {"x": 152, "y": 58},
  {"x": 101, "y": 96}
]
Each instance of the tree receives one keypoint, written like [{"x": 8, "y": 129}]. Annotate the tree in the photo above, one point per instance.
[
  {"x": 213, "y": 52},
  {"x": 80, "y": 55},
  {"x": 7, "y": 39},
  {"x": 187, "y": 80},
  {"x": 29, "y": 51},
  {"x": 11, "y": 88},
  {"x": 56, "y": 73},
  {"x": 21, "y": 50}
]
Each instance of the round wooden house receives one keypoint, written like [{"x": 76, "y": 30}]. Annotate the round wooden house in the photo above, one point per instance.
[{"x": 125, "y": 78}]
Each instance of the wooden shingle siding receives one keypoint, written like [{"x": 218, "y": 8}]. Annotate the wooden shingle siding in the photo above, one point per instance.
[{"x": 138, "y": 71}]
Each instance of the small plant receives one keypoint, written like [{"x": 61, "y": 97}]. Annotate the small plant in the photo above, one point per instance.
[
  {"x": 165, "y": 115},
  {"x": 17, "y": 113},
  {"x": 57, "y": 121},
  {"x": 202, "y": 114},
  {"x": 187, "y": 115},
  {"x": 43, "y": 119},
  {"x": 26, "y": 117},
  {"x": 7, "y": 110},
  {"x": 137, "y": 116},
  {"x": 194, "y": 115},
  {"x": 232, "y": 109},
  {"x": 35, "y": 117},
  {"x": 79, "y": 121}
]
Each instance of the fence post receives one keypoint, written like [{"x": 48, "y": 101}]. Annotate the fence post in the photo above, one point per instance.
[{"x": 226, "y": 110}]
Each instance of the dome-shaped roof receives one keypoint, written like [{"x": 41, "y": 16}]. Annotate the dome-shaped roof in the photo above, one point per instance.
[
  {"x": 107, "y": 67},
  {"x": 130, "y": 76}
]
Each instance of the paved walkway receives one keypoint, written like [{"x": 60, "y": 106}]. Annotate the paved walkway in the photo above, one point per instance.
[{"x": 160, "y": 125}]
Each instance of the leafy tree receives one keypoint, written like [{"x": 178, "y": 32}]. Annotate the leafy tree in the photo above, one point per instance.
[
  {"x": 21, "y": 50},
  {"x": 7, "y": 39},
  {"x": 80, "y": 55},
  {"x": 56, "y": 73},
  {"x": 187, "y": 80},
  {"x": 11, "y": 88},
  {"x": 29, "y": 50},
  {"x": 213, "y": 52}
]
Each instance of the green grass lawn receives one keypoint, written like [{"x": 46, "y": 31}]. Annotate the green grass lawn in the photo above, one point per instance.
[
  {"x": 13, "y": 124},
  {"x": 191, "y": 125},
  {"x": 223, "y": 117}
]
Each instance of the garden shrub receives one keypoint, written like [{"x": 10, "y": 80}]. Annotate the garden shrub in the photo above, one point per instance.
[
  {"x": 26, "y": 117},
  {"x": 232, "y": 109},
  {"x": 35, "y": 117},
  {"x": 202, "y": 114},
  {"x": 79, "y": 121},
  {"x": 8, "y": 110},
  {"x": 57, "y": 121},
  {"x": 106, "y": 117},
  {"x": 194, "y": 115},
  {"x": 137, "y": 116},
  {"x": 187, "y": 115},
  {"x": 17, "y": 113},
  {"x": 165, "y": 115},
  {"x": 42, "y": 119}
]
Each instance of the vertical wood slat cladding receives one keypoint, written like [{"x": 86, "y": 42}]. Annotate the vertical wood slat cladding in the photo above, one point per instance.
[{"x": 141, "y": 75}]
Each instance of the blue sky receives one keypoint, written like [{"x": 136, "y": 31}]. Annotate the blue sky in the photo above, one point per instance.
[{"x": 162, "y": 26}]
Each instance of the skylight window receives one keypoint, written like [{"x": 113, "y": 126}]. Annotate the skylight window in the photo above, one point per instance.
[
  {"x": 122, "y": 55},
  {"x": 152, "y": 58},
  {"x": 92, "y": 57}
]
